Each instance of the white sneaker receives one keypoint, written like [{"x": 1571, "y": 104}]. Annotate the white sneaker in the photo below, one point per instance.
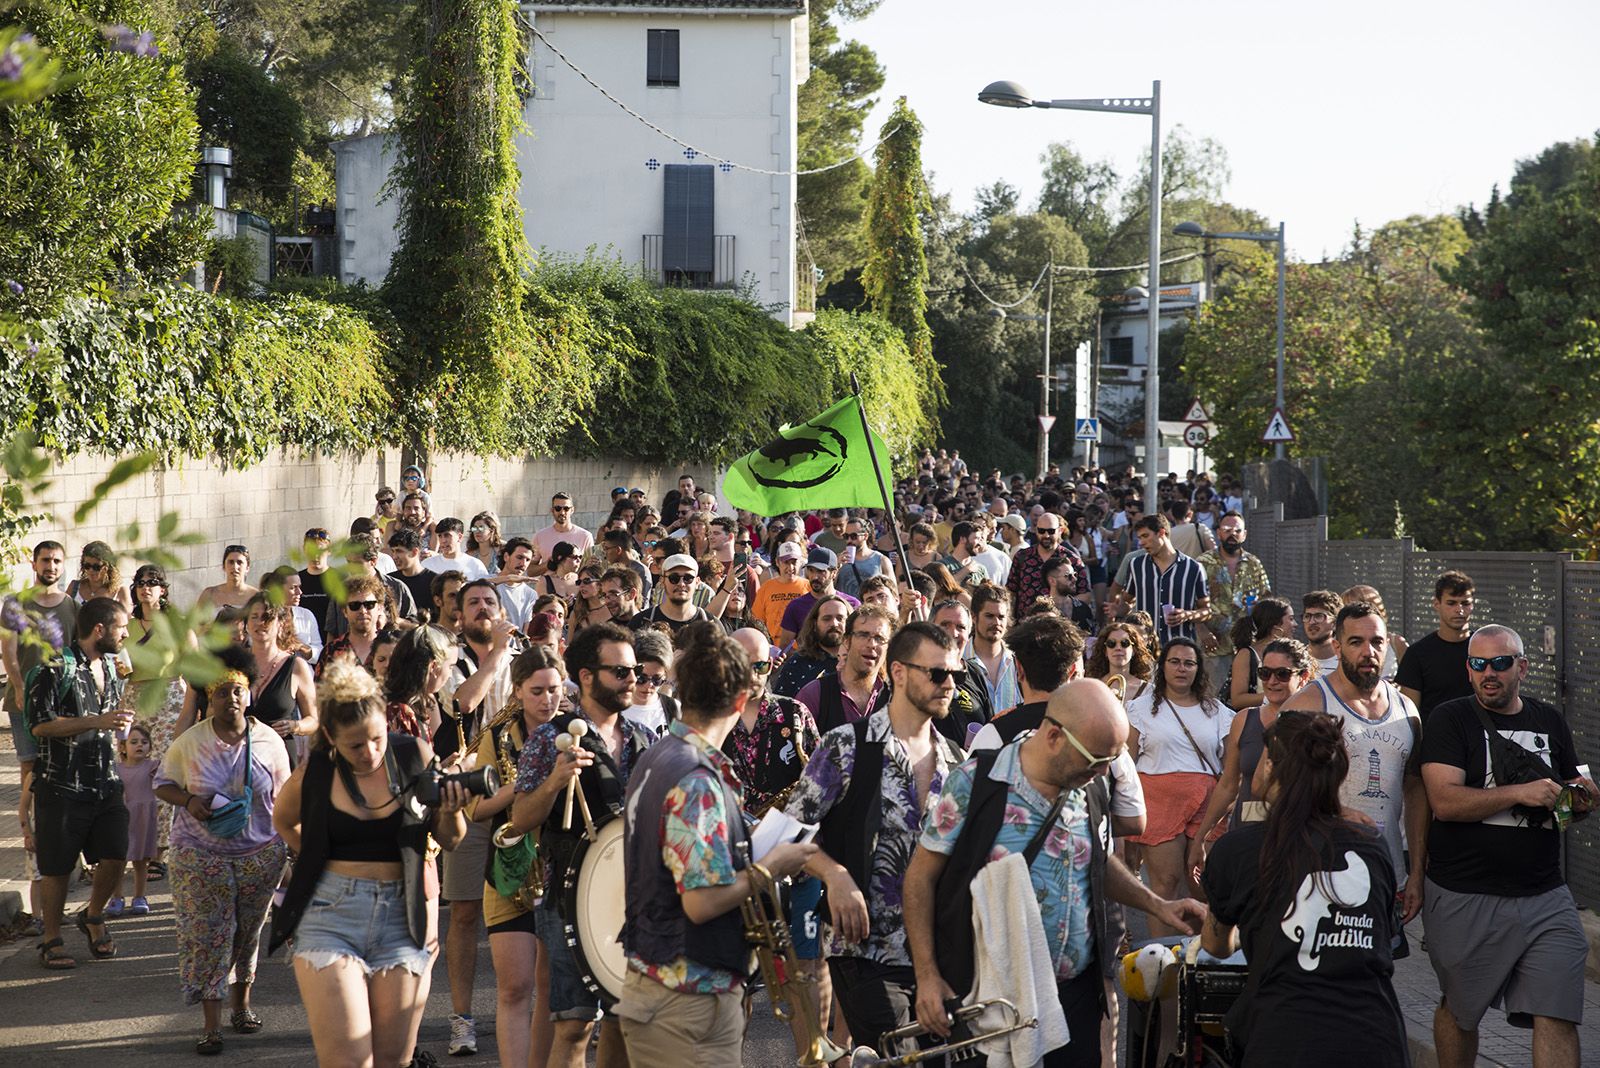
[{"x": 463, "y": 1036}]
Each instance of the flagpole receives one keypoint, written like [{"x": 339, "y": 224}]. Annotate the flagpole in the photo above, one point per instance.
[{"x": 877, "y": 473}]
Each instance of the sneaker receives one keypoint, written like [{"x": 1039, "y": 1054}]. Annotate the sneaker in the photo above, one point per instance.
[
  {"x": 114, "y": 907},
  {"x": 463, "y": 1036},
  {"x": 139, "y": 907}
]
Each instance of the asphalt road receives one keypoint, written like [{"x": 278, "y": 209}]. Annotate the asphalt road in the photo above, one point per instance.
[{"x": 127, "y": 1012}]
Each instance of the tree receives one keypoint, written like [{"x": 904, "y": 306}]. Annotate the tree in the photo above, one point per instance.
[
  {"x": 895, "y": 276},
  {"x": 93, "y": 171},
  {"x": 834, "y": 102}
]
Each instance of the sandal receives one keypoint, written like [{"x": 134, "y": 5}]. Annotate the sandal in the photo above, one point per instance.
[
  {"x": 54, "y": 957},
  {"x": 210, "y": 1044},
  {"x": 245, "y": 1021},
  {"x": 156, "y": 872},
  {"x": 103, "y": 947}
]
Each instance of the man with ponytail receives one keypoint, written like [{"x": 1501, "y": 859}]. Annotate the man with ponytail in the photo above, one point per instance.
[{"x": 1309, "y": 897}]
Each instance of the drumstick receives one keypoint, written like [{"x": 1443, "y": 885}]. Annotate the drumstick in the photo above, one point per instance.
[
  {"x": 583, "y": 806},
  {"x": 565, "y": 742},
  {"x": 578, "y": 728}
]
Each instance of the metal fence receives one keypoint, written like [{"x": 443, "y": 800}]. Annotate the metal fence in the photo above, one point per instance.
[{"x": 1550, "y": 599}]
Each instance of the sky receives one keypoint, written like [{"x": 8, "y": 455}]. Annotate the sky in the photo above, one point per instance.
[{"x": 1330, "y": 114}]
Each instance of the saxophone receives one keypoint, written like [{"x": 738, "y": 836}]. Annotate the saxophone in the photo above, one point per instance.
[
  {"x": 780, "y": 799},
  {"x": 766, "y": 926},
  {"x": 505, "y": 758}
]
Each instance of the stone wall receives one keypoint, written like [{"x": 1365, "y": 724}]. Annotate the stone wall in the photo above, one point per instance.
[{"x": 269, "y": 507}]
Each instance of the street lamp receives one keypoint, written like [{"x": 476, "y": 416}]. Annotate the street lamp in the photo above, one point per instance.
[
  {"x": 1044, "y": 374},
  {"x": 1012, "y": 95},
  {"x": 1265, "y": 237}
]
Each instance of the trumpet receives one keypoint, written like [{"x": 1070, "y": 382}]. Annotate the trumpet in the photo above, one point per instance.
[
  {"x": 866, "y": 1057},
  {"x": 767, "y": 927}
]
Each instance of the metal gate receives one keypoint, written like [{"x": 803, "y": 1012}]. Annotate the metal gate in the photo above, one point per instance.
[
  {"x": 1261, "y": 537},
  {"x": 1580, "y": 643},
  {"x": 1298, "y": 558},
  {"x": 1379, "y": 564}
]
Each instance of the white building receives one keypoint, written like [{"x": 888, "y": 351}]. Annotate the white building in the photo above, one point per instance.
[
  {"x": 720, "y": 75},
  {"x": 1124, "y": 360}
]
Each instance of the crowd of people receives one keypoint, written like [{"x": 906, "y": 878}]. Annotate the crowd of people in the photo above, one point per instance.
[{"x": 1016, "y": 706}]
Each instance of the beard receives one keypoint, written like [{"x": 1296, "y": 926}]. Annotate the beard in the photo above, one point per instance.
[
  {"x": 1363, "y": 677},
  {"x": 1231, "y": 545},
  {"x": 611, "y": 697},
  {"x": 480, "y": 631}
]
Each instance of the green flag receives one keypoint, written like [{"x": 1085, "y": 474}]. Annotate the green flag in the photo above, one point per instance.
[{"x": 821, "y": 463}]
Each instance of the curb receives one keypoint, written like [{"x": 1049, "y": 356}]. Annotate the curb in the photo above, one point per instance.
[{"x": 1591, "y": 928}]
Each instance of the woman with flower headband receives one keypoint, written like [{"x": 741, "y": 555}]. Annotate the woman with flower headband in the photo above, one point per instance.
[{"x": 223, "y": 776}]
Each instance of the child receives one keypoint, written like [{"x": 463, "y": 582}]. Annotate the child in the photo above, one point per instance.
[{"x": 138, "y": 771}]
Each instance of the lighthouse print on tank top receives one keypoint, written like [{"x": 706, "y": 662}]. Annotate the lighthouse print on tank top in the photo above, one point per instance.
[{"x": 1380, "y": 750}]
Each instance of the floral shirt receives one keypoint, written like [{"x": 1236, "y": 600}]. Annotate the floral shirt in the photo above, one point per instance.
[
  {"x": 696, "y": 850},
  {"x": 772, "y": 755},
  {"x": 1228, "y": 591},
  {"x": 1060, "y": 872},
  {"x": 341, "y": 646},
  {"x": 826, "y": 778},
  {"x": 1027, "y": 582}
]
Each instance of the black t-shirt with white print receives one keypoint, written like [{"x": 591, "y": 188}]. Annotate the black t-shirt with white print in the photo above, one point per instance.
[
  {"x": 1319, "y": 968},
  {"x": 1501, "y": 855}
]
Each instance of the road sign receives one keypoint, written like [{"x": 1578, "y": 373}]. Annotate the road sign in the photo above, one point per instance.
[
  {"x": 1087, "y": 430},
  {"x": 1195, "y": 435},
  {"x": 1196, "y": 413},
  {"x": 1046, "y": 422},
  {"x": 1278, "y": 429}
]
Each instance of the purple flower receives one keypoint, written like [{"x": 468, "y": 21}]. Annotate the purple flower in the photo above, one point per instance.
[
  {"x": 10, "y": 66},
  {"x": 33, "y": 348},
  {"x": 50, "y": 631},
  {"x": 15, "y": 286},
  {"x": 126, "y": 40},
  {"x": 12, "y": 617}
]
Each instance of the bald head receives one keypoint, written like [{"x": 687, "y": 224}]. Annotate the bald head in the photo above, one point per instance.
[
  {"x": 1089, "y": 709},
  {"x": 754, "y": 642}
]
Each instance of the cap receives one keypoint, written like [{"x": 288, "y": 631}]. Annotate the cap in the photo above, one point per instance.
[
  {"x": 1014, "y": 521},
  {"x": 385, "y": 492},
  {"x": 789, "y": 551},
  {"x": 677, "y": 560},
  {"x": 637, "y": 490},
  {"x": 822, "y": 556},
  {"x": 619, "y": 491}
]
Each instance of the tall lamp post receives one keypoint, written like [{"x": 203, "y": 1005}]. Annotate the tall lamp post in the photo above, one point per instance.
[
  {"x": 1012, "y": 95},
  {"x": 1044, "y": 371},
  {"x": 1265, "y": 237}
]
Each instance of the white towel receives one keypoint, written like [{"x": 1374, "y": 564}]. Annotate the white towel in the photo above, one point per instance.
[{"x": 1012, "y": 961}]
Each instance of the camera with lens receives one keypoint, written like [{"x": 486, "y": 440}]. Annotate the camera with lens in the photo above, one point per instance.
[{"x": 480, "y": 782}]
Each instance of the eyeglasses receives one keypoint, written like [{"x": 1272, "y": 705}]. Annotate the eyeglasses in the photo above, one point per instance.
[
  {"x": 1112, "y": 643},
  {"x": 680, "y": 578},
  {"x": 869, "y": 636},
  {"x": 1275, "y": 674},
  {"x": 651, "y": 680},
  {"x": 623, "y": 672},
  {"x": 362, "y": 606},
  {"x": 1315, "y": 617},
  {"x": 761, "y": 667},
  {"x": 1092, "y": 760},
  {"x": 1190, "y": 664},
  {"x": 938, "y": 675},
  {"x": 1499, "y": 663}
]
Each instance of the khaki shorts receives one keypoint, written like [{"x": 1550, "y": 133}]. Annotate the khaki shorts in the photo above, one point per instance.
[
  {"x": 662, "y": 1026},
  {"x": 464, "y": 866}
]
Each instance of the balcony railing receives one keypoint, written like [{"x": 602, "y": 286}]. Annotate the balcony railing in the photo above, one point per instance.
[{"x": 721, "y": 276}]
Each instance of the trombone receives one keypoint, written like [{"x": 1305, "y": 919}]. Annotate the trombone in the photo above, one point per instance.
[{"x": 866, "y": 1057}]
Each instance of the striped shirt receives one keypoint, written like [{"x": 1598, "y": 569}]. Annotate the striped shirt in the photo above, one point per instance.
[{"x": 1182, "y": 585}]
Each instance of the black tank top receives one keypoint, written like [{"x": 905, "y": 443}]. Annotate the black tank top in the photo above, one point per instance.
[
  {"x": 352, "y": 838},
  {"x": 276, "y": 701}
]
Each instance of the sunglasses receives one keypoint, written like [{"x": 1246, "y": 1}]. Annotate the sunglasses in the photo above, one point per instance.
[
  {"x": 652, "y": 680},
  {"x": 622, "y": 672},
  {"x": 93, "y": 567},
  {"x": 480, "y": 530},
  {"x": 649, "y": 545},
  {"x": 680, "y": 579},
  {"x": 317, "y": 534},
  {"x": 231, "y": 549},
  {"x": 561, "y": 508},
  {"x": 1112, "y": 643},
  {"x": 1275, "y": 674},
  {"x": 938, "y": 675},
  {"x": 1093, "y": 761},
  {"x": 761, "y": 667},
  {"x": 150, "y": 583},
  {"x": 1499, "y": 663},
  {"x": 588, "y": 580},
  {"x": 385, "y": 500},
  {"x": 362, "y": 606}
]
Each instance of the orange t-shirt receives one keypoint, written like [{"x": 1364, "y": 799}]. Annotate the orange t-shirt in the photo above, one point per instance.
[{"x": 772, "y": 597}]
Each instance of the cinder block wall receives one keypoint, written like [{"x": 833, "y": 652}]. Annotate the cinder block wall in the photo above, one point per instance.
[{"x": 268, "y": 507}]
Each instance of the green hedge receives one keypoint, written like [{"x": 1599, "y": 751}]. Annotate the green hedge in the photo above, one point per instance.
[
  {"x": 186, "y": 373},
  {"x": 678, "y": 375}
]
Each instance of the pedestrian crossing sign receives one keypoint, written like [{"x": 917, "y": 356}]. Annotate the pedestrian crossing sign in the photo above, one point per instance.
[
  {"x": 1087, "y": 430},
  {"x": 1278, "y": 429}
]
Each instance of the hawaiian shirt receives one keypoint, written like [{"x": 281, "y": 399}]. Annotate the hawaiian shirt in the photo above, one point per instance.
[
  {"x": 826, "y": 778},
  {"x": 773, "y": 753},
  {"x": 1005, "y": 693},
  {"x": 696, "y": 849},
  {"x": 341, "y": 646},
  {"x": 1228, "y": 592},
  {"x": 1060, "y": 873},
  {"x": 1027, "y": 582}
]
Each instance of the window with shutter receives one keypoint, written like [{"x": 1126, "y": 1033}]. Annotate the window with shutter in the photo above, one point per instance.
[
  {"x": 661, "y": 57},
  {"x": 688, "y": 218}
]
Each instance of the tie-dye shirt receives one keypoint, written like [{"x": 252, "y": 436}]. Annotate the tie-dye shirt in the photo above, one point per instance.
[
  {"x": 1060, "y": 872},
  {"x": 201, "y": 763}
]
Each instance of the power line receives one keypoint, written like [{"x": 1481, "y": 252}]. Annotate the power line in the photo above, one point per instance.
[{"x": 675, "y": 139}]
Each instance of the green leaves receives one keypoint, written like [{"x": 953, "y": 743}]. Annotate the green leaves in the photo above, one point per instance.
[{"x": 121, "y": 471}]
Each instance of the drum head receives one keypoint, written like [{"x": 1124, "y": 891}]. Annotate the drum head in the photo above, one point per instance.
[{"x": 595, "y": 904}]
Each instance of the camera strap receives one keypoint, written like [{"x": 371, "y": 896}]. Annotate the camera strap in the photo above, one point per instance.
[{"x": 348, "y": 777}]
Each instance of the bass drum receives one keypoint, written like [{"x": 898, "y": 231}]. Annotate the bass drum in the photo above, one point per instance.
[{"x": 593, "y": 905}]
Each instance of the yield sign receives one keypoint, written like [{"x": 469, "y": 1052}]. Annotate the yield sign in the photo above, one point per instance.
[
  {"x": 1196, "y": 413},
  {"x": 1278, "y": 429},
  {"x": 1046, "y": 422}
]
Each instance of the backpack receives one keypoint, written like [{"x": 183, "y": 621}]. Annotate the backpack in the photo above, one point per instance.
[{"x": 68, "y": 665}]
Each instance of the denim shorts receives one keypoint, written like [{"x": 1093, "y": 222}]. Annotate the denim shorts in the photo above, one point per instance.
[
  {"x": 569, "y": 998},
  {"x": 363, "y": 919},
  {"x": 22, "y": 738}
]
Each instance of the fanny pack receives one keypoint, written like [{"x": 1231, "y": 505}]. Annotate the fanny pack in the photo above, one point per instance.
[{"x": 231, "y": 819}]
